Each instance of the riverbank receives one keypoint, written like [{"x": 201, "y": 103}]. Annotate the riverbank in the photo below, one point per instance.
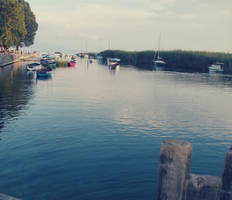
[
  {"x": 8, "y": 59},
  {"x": 198, "y": 61}
]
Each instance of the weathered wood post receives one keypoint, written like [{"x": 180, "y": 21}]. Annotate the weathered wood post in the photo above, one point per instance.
[
  {"x": 174, "y": 169},
  {"x": 226, "y": 191},
  {"x": 203, "y": 187}
]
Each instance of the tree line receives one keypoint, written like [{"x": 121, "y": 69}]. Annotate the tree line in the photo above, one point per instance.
[
  {"x": 18, "y": 24},
  {"x": 197, "y": 61}
]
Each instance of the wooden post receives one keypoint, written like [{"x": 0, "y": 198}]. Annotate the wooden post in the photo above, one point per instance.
[{"x": 174, "y": 169}]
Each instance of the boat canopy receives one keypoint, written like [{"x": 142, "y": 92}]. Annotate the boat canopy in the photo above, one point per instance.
[{"x": 114, "y": 59}]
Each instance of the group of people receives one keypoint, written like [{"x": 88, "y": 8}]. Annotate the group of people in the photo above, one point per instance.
[
  {"x": 6, "y": 50},
  {"x": 3, "y": 50}
]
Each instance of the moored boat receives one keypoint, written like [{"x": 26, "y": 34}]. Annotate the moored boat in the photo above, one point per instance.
[
  {"x": 112, "y": 62},
  {"x": 72, "y": 63},
  {"x": 50, "y": 64},
  {"x": 46, "y": 72},
  {"x": 216, "y": 67},
  {"x": 158, "y": 62},
  {"x": 34, "y": 67}
]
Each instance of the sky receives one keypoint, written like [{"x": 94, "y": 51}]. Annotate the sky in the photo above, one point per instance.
[{"x": 73, "y": 26}]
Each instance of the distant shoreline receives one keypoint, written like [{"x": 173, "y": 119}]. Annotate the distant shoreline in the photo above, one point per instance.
[{"x": 197, "y": 61}]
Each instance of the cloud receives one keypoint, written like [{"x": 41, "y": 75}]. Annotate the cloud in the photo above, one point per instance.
[{"x": 132, "y": 24}]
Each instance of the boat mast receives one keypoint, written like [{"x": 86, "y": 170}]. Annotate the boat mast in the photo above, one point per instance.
[
  {"x": 159, "y": 45},
  {"x": 108, "y": 44},
  {"x": 156, "y": 56}
]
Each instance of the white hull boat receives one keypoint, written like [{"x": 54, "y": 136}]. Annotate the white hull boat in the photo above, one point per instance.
[
  {"x": 34, "y": 67},
  {"x": 216, "y": 68}
]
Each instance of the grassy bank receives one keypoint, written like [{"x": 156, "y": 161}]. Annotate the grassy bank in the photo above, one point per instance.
[
  {"x": 62, "y": 63},
  {"x": 186, "y": 60}
]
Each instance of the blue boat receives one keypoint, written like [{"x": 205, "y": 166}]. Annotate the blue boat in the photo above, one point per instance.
[{"x": 46, "y": 72}]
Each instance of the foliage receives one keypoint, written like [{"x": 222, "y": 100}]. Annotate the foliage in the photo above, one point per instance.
[
  {"x": 30, "y": 22},
  {"x": 184, "y": 60},
  {"x": 92, "y": 54},
  {"x": 62, "y": 63},
  {"x": 12, "y": 26},
  {"x": 17, "y": 23}
]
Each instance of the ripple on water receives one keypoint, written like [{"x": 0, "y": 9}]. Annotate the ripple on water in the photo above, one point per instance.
[{"x": 88, "y": 133}]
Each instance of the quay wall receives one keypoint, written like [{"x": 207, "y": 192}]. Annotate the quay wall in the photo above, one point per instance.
[
  {"x": 176, "y": 182},
  {"x": 7, "y": 59}
]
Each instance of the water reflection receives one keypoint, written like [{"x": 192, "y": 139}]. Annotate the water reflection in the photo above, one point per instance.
[
  {"x": 114, "y": 70},
  {"x": 15, "y": 92},
  {"x": 46, "y": 78},
  {"x": 30, "y": 75},
  {"x": 85, "y": 123}
]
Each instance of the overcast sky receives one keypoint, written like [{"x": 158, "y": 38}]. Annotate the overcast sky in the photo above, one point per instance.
[{"x": 74, "y": 25}]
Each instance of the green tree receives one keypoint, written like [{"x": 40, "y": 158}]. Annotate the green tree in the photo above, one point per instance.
[
  {"x": 30, "y": 23},
  {"x": 12, "y": 25}
]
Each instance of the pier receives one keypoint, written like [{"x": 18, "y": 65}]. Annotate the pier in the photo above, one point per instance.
[{"x": 176, "y": 182}]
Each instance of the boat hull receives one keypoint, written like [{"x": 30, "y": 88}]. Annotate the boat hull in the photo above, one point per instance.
[
  {"x": 50, "y": 65},
  {"x": 47, "y": 74},
  {"x": 44, "y": 72},
  {"x": 215, "y": 69},
  {"x": 71, "y": 64},
  {"x": 159, "y": 63},
  {"x": 34, "y": 67}
]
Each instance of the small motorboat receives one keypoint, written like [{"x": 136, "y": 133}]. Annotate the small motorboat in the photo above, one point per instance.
[
  {"x": 50, "y": 64},
  {"x": 72, "y": 63},
  {"x": 34, "y": 67},
  {"x": 113, "y": 61},
  {"x": 46, "y": 72},
  {"x": 216, "y": 67},
  {"x": 115, "y": 67}
]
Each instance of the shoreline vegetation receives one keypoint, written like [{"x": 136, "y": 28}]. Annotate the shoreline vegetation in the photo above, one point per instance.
[
  {"x": 18, "y": 24},
  {"x": 62, "y": 63},
  {"x": 195, "y": 61}
]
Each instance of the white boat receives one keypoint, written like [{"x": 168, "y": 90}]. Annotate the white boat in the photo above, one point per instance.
[
  {"x": 157, "y": 60},
  {"x": 111, "y": 62},
  {"x": 216, "y": 67},
  {"x": 34, "y": 67},
  {"x": 100, "y": 59}
]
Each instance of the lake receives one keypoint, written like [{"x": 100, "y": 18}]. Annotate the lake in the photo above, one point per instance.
[{"x": 90, "y": 133}]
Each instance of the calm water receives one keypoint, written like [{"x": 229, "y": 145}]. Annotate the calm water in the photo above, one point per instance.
[{"x": 89, "y": 133}]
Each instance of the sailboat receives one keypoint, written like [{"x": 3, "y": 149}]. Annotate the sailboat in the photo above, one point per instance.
[{"x": 157, "y": 60}]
